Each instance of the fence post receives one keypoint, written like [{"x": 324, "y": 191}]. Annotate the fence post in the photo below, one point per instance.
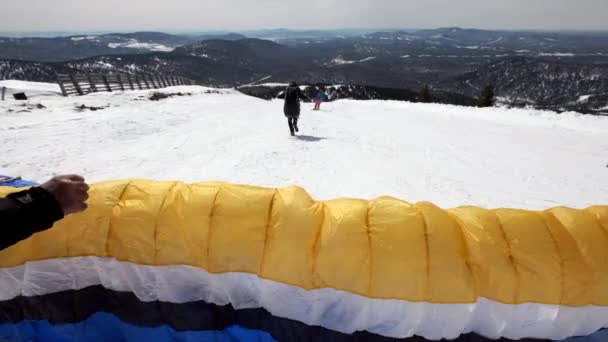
[
  {"x": 105, "y": 81},
  {"x": 138, "y": 81},
  {"x": 160, "y": 81},
  {"x": 122, "y": 87},
  {"x": 152, "y": 83},
  {"x": 130, "y": 82},
  {"x": 146, "y": 81},
  {"x": 92, "y": 85},
  {"x": 4, "y": 92},
  {"x": 76, "y": 85},
  {"x": 61, "y": 86}
]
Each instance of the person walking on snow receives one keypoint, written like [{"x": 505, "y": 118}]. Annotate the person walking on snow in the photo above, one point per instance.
[
  {"x": 320, "y": 97},
  {"x": 292, "y": 95}
]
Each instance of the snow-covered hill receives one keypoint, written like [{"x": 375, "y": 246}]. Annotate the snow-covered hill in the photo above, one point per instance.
[{"x": 446, "y": 154}]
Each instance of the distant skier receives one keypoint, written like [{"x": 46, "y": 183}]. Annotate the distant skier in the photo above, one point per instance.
[
  {"x": 292, "y": 96},
  {"x": 320, "y": 97}
]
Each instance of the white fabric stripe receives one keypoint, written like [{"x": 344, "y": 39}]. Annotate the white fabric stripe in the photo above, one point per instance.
[{"x": 332, "y": 309}]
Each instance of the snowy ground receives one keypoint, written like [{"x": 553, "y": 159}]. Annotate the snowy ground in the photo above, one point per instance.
[{"x": 446, "y": 154}]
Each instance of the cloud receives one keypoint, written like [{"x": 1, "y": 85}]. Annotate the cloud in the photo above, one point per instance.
[{"x": 36, "y": 15}]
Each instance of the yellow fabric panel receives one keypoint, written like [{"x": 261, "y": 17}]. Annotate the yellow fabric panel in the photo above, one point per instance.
[
  {"x": 48, "y": 244},
  {"x": 239, "y": 221},
  {"x": 601, "y": 215},
  {"x": 342, "y": 254},
  {"x": 294, "y": 227},
  {"x": 577, "y": 276},
  {"x": 488, "y": 253},
  {"x": 591, "y": 241},
  {"x": 88, "y": 231},
  {"x": 446, "y": 258},
  {"x": 385, "y": 248},
  {"x": 535, "y": 255},
  {"x": 182, "y": 231},
  {"x": 398, "y": 250},
  {"x": 132, "y": 233}
]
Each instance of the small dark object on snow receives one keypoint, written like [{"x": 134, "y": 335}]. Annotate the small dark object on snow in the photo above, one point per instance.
[
  {"x": 161, "y": 96},
  {"x": 158, "y": 96},
  {"x": 93, "y": 109},
  {"x": 40, "y": 106},
  {"x": 20, "y": 96}
]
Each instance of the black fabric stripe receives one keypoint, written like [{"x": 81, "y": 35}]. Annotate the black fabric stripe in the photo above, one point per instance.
[{"x": 77, "y": 305}]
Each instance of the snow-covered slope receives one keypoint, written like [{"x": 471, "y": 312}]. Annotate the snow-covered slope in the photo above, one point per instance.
[
  {"x": 445, "y": 154},
  {"x": 32, "y": 89}
]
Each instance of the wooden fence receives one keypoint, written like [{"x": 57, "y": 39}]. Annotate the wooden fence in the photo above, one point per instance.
[{"x": 84, "y": 84}]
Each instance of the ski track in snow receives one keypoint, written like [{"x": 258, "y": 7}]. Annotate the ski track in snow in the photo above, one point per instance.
[{"x": 448, "y": 155}]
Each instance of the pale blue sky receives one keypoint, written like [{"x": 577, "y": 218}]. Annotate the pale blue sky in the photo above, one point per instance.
[{"x": 174, "y": 15}]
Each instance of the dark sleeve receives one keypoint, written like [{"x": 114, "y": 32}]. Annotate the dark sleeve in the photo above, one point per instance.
[
  {"x": 302, "y": 95},
  {"x": 25, "y": 213}
]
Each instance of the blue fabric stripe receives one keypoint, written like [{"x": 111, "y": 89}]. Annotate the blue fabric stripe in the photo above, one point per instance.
[
  {"x": 17, "y": 183},
  {"x": 600, "y": 336},
  {"x": 103, "y": 327}
]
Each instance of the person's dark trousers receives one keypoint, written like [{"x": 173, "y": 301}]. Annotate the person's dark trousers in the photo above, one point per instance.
[{"x": 293, "y": 124}]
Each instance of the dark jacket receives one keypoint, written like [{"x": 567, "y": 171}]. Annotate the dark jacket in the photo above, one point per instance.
[
  {"x": 25, "y": 213},
  {"x": 292, "y": 95}
]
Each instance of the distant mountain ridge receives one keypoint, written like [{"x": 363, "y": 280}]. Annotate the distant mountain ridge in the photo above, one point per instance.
[{"x": 554, "y": 70}]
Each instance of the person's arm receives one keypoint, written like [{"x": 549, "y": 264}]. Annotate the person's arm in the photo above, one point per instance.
[
  {"x": 27, "y": 212},
  {"x": 303, "y": 96}
]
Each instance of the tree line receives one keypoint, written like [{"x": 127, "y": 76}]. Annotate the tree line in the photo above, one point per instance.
[{"x": 487, "y": 97}]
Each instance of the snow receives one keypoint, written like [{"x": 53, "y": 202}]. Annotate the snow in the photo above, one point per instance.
[
  {"x": 449, "y": 155},
  {"x": 31, "y": 89},
  {"x": 341, "y": 61},
  {"x": 257, "y": 81},
  {"x": 495, "y": 41},
  {"x": 269, "y": 85},
  {"x": 583, "y": 98},
  {"x": 134, "y": 44},
  {"x": 556, "y": 54},
  {"x": 104, "y": 64},
  {"x": 76, "y": 39}
]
